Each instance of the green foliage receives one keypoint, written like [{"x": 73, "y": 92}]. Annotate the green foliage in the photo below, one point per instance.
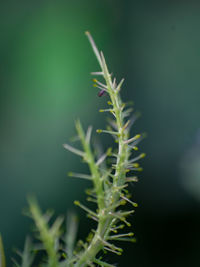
[
  {"x": 2, "y": 255},
  {"x": 110, "y": 182},
  {"x": 27, "y": 256}
]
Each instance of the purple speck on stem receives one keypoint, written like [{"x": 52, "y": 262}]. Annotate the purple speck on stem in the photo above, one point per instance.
[{"x": 102, "y": 92}]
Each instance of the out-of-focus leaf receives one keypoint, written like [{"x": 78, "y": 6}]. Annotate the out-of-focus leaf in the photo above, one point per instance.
[{"x": 2, "y": 255}]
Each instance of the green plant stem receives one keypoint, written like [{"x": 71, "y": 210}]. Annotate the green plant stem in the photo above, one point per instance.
[
  {"x": 105, "y": 219},
  {"x": 2, "y": 255},
  {"x": 96, "y": 177},
  {"x": 45, "y": 236}
]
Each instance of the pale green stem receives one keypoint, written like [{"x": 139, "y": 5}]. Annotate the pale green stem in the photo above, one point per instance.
[
  {"x": 96, "y": 178},
  {"x": 105, "y": 220},
  {"x": 46, "y": 237}
]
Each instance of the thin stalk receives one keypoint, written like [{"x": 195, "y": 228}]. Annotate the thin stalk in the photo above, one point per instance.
[
  {"x": 93, "y": 167},
  {"x": 105, "y": 220}
]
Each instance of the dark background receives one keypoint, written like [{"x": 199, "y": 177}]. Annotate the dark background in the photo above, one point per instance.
[{"x": 45, "y": 61}]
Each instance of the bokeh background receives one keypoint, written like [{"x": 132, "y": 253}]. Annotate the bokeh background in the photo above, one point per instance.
[{"x": 45, "y": 61}]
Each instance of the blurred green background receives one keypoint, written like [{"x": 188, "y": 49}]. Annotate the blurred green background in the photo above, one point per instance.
[{"x": 45, "y": 61}]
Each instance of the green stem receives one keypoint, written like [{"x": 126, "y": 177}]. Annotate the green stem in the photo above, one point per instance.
[
  {"x": 96, "y": 177},
  {"x": 105, "y": 220},
  {"x": 45, "y": 235},
  {"x": 105, "y": 212}
]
